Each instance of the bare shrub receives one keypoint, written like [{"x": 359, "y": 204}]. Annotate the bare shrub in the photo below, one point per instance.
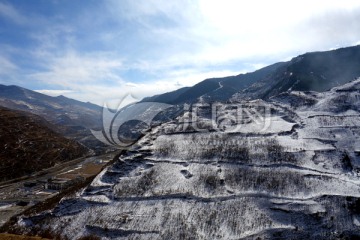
[
  {"x": 147, "y": 181},
  {"x": 166, "y": 149},
  {"x": 346, "y": 162},
  {"x": 225, "y": 147},
  {"x": 277, "y": 154},
  {"x": 90, "y": 237},
  {"x": 211, "y": 152},
  {"x": 240, "y": 153},
  {"x": 265, "y": 180},
  {"x": 138, "y": 187},
  {"x": 210, "y": 180}
]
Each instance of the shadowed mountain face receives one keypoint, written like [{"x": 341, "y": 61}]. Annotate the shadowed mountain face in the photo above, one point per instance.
[
  {"x": 214, "y": 89},
  {"x": 169, "y": 97},
  {"x": 317, "y": 71},
  {"x": 28, "y": 145},
  {"x": 69, "y": 117}
]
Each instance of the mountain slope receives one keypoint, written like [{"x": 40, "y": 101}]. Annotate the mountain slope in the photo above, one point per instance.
[
  {"x": 214, "y": 89},
  {"x": 53, "y": 109},
  {"x": 295, "y": 175},
  {"x": 169, "y": 97},
  {"x": 317, "y": 71},
  {"x": 28, "y": 145}
]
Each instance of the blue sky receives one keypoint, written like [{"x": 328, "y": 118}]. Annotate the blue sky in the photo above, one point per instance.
[{"x": 101, "y": 50}]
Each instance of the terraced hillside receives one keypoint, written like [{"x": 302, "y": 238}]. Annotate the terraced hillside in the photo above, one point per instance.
[{"x": 292, "y": 172}]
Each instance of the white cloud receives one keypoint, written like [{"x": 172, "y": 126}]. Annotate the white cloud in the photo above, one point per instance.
[
  {"x": 258, "y": 29},
  {"x": 8, "y": 71},
  {"x": 11, "y": 13},
  {"x": 54, "y": 93},
  {"x": 74, "y": 70},
  {"x": 7, "y": 66},
  {"x": 51, "y": 36},
  {"x": 210, "y": 32},
  {"x": 101, "y": 93}
]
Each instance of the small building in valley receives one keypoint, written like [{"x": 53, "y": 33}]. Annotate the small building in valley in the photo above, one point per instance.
[{"x": 62, "y": 183}]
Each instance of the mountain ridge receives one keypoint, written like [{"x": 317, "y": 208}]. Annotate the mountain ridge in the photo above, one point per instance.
[
  {"x": 311, "y": 71},
  {"x": 38, "y": 103},
  {"x": 69, "y": 117}
]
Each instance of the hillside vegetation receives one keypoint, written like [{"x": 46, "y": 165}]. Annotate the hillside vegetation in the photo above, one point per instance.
[{"x": 28, "y": 145}]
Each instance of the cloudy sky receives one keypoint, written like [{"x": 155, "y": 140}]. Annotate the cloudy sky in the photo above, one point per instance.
[{"x": 101, "y": 50}]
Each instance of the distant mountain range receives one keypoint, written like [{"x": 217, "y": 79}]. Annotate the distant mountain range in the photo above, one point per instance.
[
  {"x": 58, "y": 110},
  {"x": 69, "y": 117},
  {"x": 316, "y": 71},
  {"x": 28, "y": 144}
]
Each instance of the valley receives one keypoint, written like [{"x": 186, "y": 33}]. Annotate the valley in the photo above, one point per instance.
[{"x": 20, "y": 194}]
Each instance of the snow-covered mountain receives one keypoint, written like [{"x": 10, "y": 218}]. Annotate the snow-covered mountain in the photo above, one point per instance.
[{"x": 286, "y": 168}]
